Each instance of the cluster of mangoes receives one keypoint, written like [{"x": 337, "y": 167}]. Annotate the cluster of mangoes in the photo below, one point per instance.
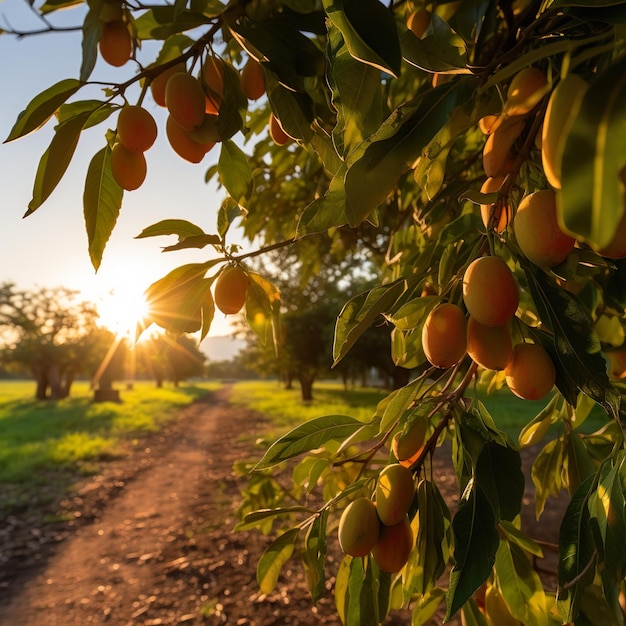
[
  {"x": 381, "y": 526},
  {"x": 482, "y": 329},
  {"x": 192, "y": 101},
  {"x": 491, "y": 298}
]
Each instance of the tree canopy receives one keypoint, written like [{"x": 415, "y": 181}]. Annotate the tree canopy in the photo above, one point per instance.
[{"x": 476, "y": 152}]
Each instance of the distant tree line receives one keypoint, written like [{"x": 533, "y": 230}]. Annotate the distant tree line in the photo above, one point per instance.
[{"x": 51, "y": 335}]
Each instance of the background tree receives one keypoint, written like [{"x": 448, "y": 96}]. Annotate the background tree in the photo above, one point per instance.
[
  {"x": 52, "y": 335},
  {"x": 162, "y": 357},
  {"x": 476, "y": 151}
]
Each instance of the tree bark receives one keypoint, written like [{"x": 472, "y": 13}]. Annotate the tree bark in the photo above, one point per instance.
[{"x": 306, "y": 388}]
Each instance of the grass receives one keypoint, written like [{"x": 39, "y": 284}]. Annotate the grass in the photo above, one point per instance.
[
  {"x": 42, "y": 436},
  {"x": 286, "y": 410}
]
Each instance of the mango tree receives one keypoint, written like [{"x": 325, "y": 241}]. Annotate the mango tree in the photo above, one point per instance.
[{"x": 476, "y": 150}]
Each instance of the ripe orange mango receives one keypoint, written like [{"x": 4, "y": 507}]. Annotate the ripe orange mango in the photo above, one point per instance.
[
  {"x": 394, "y": 546},
  {"x": 530, "y": 373},
  {"x": 490, "y": 347},
  {"x": 359, "y": 527},
  {"x": 128, "y": 168},
  {"x": 184, "y": 99},
  {"x": 490, "y": 292},
  {"x": 525, "y": 91},
  {"x": 395, "y": 489},
  {"x": 252, "y": 79},
  {"x": 157, "y": 86},
  {"x": 444, "y": 335},
  {"x": 136, "y": 128},
  {"x": 213, "y": 76},
  {"x": 231, "y": 290},
  {"x": 116, "y": 44},
  {"x": 185, "y": 146},
  {"x": 537, "y": 230},
  {"x": 501, "y": 210},
  {"x": 278, "y": 135}
]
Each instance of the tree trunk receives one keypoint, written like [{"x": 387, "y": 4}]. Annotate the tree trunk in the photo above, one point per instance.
[
  {"x": 288, "y": 378},
  {"x": 400, "y": 377},
  {"x": 306, "y": 387},
  {"x": 56, "y": 382},
  {"x": 41, "y": 393}
]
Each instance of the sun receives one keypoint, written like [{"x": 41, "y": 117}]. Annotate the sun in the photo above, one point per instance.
[{"x": 122, "y": 309}]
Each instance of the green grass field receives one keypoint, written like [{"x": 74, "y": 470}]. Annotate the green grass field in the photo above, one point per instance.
[
  {"x": 40, "y": 440},
  {"x": 38, "y": 436},
  {"x": 286, "y": 410}
]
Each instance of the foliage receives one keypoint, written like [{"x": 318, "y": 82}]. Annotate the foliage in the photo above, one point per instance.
[
  {"x": 52, "y": 336},
  {"x": 386, "y": 163}
]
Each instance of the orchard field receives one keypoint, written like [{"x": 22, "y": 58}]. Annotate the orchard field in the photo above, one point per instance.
[{"x": 444, "y": 179}]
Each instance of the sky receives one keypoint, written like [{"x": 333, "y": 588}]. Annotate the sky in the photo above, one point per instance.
[{"x": 49, "y": 247}]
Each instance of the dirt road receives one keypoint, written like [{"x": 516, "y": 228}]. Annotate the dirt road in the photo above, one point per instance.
[{"x": 150, "y": 540}]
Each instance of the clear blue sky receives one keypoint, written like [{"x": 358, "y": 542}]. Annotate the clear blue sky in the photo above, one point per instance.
[{"x": 49, "y": 248}]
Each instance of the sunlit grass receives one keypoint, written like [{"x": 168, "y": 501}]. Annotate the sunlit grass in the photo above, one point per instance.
[
  {"x": 286, "y": 409},
  {"x": 39, "y": 436}
]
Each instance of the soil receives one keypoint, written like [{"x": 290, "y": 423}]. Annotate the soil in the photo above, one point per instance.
[{"x": 149, "y": 539}]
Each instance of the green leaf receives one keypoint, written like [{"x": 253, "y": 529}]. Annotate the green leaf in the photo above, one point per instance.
[
  {"x": 499, "y": 475},
  {"x": 359, "y": 313},
  {"x": 591, "y": 200},
  {"x": 233, "y": 106},
  {"x": 377, "y": 165},
  {"x": 357, "y": 592},
  {"x": 516, "y": 536},
  {"x": 369, "y": 30},
  {"x": 55, "y": 160},
  {"x": 273, "y": 559},
  {"x": 579, "y": 461},
  {"x": 308, "y": 436},
  {"x": 92, "y": 31},
  {"x": 576, "y": 551},
  {"x": 440, "y": 50},
  {"x": 412, "y": 314},
  {"x": 263, "y": 308},
  {"x": 326, "y": 212},
  {"x": 102, "y": 200},
  {"x": 608, "y": 518},
  {"x": 397, "y": 402},
  {"x": 235, "y": 172},
  {"x": 288, "y": 54},
  {"x": 472, "y": 615},
  {"x": 428, "y": 561},
  {"x": 176, "y": 301},
  {"x": 476, "y": 541},
  {"x": 537, "y": 428},
  {"x": 161, "y": 22},
  {"x": 356, "y": 97},
  {"x": 314, "y": 555},
  {"x": 430, "y": 166},
  {"x": 182, "y": 228},
  {"x": 576, "y": 345},
  {"x": 294, "y": 110},
  {"x": 228, "y": 212},
  {"x": 252, "y": 520},
  {"x": 546, "y": 473},
  {"x": 55, "y": 5},
  {"x": 189, "y": 235},
  {"x": 426, "y": 608},
  {"x": 42, "y": 107},
  {"x": 520, "y": 585}
]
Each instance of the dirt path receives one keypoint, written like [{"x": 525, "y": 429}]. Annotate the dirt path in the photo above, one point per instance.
[
  {"x": 160, "y": 547},
  {"x": 151, "y": 540}
]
